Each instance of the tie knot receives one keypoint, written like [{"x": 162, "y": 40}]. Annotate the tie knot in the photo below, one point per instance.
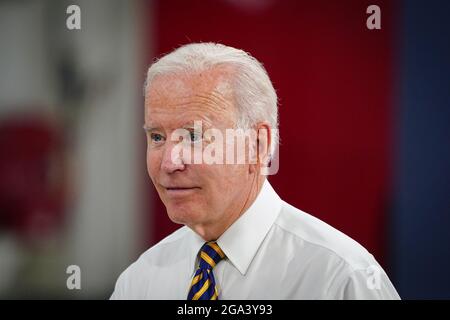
[{"x": 210, "y": 255}]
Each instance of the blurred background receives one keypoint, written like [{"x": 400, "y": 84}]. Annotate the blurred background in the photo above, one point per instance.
[{"x": 364, "y": 125}]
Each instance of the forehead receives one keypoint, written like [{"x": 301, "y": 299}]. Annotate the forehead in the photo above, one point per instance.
[
  {"x": 214, "y": 79},
  {"x": 188, "y": 97}
]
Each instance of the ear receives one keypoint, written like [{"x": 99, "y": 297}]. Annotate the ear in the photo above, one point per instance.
[{"x": 264, "y": 142}]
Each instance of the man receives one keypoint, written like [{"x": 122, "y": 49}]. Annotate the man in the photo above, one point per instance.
[{"x": 240, "y": 240}]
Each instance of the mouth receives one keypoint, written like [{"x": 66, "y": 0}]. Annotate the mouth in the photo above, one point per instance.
[{"x": 180, "y": 191}]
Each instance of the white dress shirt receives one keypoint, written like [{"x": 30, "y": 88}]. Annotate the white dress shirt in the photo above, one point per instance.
[{"x": 274, "y": 251}]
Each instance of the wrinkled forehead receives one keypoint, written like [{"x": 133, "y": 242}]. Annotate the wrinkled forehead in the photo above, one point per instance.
[
  {"x": 208, "y": 91},
  {"x": 217, "y": 80}
]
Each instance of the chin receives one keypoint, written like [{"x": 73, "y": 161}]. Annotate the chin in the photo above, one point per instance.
[{"x": 183, "y": 214}]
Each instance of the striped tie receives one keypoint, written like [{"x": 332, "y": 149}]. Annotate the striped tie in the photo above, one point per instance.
[{"x": 203, "y": 285}]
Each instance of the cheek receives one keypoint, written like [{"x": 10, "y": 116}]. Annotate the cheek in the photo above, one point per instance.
[
  {"x": 153, "y": 162},
  {"x": 223, "y": 177}
]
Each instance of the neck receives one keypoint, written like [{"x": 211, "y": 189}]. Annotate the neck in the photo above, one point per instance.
[{"x": 216, "y": 229}]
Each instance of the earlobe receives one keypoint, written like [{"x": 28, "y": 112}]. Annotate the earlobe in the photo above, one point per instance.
[{"x": 263, "y": 145}]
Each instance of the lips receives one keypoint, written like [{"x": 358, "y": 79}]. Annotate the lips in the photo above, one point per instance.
[
  {"x": 180, "y": 188},
  {"x": 177, "y": 192}
]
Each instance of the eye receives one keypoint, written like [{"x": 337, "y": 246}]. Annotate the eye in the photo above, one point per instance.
[
  {"x": 195, "y": 136},
  {"x": 156, "y": 137}
]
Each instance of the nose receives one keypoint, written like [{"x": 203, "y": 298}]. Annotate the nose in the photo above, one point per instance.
[{"x": 172, "y": 159}]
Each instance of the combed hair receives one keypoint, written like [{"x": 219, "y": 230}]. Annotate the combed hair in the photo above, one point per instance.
[{"x": 255, "y": 96}]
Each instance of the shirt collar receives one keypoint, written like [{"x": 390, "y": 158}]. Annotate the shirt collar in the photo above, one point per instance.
[
  {"x": 241, "y": 240},
  {"x": 194, "y": 247}
]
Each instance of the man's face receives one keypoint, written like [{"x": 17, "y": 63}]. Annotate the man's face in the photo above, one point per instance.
[{"x": 197, "y": 195}]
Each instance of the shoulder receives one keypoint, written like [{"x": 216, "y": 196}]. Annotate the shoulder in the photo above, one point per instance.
[
  {"x": 313, "y": 233},
  {"x": 134, "y": 280},
  {"x": 345, "y": 269},
  {"x": 171, "y": 244},
  {"x": 165, "y": 251}
]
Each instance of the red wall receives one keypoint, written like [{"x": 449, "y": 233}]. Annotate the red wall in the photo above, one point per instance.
[{"x": 333, "y": 77}]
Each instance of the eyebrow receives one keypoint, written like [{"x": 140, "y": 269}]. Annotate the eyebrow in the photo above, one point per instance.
[
  {"x": 187, "y": 126},
  {"x": 148, "y": 128}
]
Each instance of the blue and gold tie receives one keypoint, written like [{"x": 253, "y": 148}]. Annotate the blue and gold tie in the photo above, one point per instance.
[{"x": 203, "y": 285}]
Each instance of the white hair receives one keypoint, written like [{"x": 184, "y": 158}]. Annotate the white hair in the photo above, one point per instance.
[{"x": 255, "y": 96}]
